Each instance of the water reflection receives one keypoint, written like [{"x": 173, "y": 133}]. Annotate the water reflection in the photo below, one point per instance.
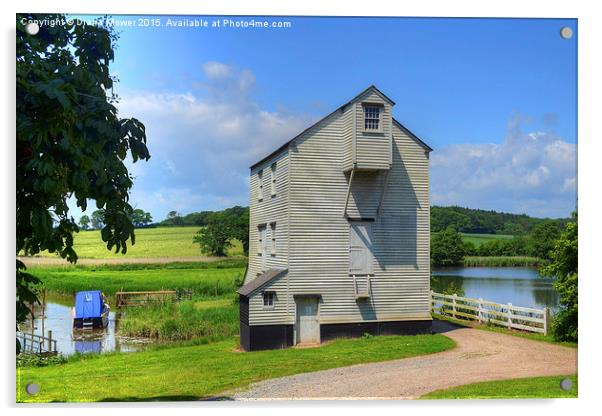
[
  {"x": 521, "y": 286},
  {"x": 58, "y": 319}
]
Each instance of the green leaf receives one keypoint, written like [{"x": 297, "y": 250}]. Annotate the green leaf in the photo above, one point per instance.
[{"x": 105, "y": 234}]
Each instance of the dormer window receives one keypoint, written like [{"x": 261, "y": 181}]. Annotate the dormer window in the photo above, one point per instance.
[{"x": 372, "y": 116}]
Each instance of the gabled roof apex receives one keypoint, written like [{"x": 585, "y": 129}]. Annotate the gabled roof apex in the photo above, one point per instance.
[
  {"x": 374, "y": 89},
  {"x": 370, "y": 88}
]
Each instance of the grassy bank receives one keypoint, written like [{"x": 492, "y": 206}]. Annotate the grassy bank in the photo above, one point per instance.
[
  {"x": 200, "y": 371},
  {"x": 514, "y": 332},
  {"x": 502, "y": 261},
  {"x": 207, "y": 279},
  {"x": 520, "y": 388},
  {"x": 212, "y": 319},
  {"x": 150, "y": 242}
]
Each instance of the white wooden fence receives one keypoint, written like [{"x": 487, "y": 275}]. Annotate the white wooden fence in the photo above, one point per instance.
[{"x": 484, "y": 311}]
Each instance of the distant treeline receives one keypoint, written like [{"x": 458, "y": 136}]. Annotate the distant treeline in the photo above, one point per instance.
[
  {"x": 479, "y": 221},
  {"x": 465, "y": 220},
  {"x": 200, "y": 219}
]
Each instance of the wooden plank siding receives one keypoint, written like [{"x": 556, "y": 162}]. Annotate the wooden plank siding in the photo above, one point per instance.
[
  {"x": 269, "y": 209},
  {"x": 348, "y": 137},
  {"x": 313, "y": 236}
]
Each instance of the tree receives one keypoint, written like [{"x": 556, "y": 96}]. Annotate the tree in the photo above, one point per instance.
[
  {"x": 84, "y": 222},
  {"x": 240, "y": 225},
  {"x": 174, "y": 218},
  {"x": 563, "y": 266},
  {"x": 141, "y": 218},
  {"x": 215, "y": 237},
  {"x": 97, "y": 220},
  {"x": 70, "y": 142},
  {"x": 447, "y": 248},
  {"x": 513, "y": 229},
  {"x": 542, "y": 239}
]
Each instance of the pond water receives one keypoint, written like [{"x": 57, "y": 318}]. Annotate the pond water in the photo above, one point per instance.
[
  {"x": 521, "y": 286},
  {"x": 58, "y": 319}
]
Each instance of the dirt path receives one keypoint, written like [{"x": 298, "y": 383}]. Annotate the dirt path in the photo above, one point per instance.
[
  {"x": 54, "y": 261},
  {"x": 479, "y": 356}
]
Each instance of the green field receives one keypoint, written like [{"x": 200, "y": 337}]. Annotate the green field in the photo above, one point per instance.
[
  {"x": 478, "y": 239},
  {"x": 205, "y": 279},
  {"x": 520, "y": 388},
  {"x": 150, "y": 242},
  {"x": 200, "y": 371}
]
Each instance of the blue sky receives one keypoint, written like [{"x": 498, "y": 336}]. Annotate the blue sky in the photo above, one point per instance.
[{"x": 495, "y": 98}]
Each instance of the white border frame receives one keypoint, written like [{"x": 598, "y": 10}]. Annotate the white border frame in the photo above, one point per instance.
[{"x": 589, "y": 36}]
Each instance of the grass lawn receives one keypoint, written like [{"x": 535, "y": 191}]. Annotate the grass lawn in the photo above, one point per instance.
[
  {"x": 150, "y": 242},
  {"x": 492, "y": 328},
  {"x": 478, "y": 239},
  {"x": 208, "y": 279},
  {"x": 519, "y": 388},
  {"x": 200, "y": 371}
]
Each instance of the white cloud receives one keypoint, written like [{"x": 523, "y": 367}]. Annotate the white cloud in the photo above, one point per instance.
[
  {"x": 532, "y": 173},
  {"x": 202, "y": 142},
  {"x": 216, "y": 70}
]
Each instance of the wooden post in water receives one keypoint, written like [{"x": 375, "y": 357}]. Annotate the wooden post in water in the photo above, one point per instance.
[
  {"x": 49, "y": 341},
  {"x": 509, "y": 314},
  {"x": 454, "y": 305},
  {"x": 33, "y": 319},
  {"x": 43, "y": 308}
]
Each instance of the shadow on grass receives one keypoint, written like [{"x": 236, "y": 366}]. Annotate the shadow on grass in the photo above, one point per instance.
[
  {"x": 167, "y": 398},
  {"x": 442, "y": 326}
]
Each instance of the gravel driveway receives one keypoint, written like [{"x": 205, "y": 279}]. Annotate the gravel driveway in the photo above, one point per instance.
[{"x": 479, "y": 356}]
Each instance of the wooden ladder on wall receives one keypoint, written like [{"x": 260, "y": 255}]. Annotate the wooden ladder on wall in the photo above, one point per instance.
[{"x": 362, "y": 286}]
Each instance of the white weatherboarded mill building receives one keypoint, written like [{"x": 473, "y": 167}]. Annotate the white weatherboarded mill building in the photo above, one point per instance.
[{"x": 339, "y": 232}]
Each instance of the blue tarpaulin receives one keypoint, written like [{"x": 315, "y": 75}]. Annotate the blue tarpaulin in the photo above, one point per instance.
[{"x": 88, "y": 304}]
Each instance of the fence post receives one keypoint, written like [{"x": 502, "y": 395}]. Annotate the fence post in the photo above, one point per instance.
[
  {"x": 454, "y": 305},
  {"x": 49, "y": 340},
  {"x": 480, "y": 312},
  {"x": 432, "y": 301},
  {"x": 509, "y": 314},
  {"x": 546, "y": 320}
]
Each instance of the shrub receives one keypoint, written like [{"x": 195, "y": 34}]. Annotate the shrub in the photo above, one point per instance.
[
  {"x": 563, "y": 266},
  {"x": 447, "y": 248},
  {"x": 35, "y": 360}
]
